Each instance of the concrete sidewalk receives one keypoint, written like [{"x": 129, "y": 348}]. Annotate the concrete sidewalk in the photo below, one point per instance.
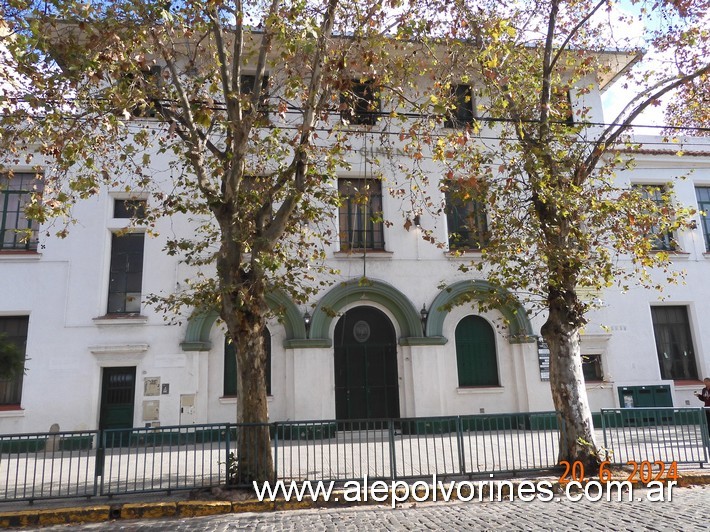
[{"x": 217, "y": 501}]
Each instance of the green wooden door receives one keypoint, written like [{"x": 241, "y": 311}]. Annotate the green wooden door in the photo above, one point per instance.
[
  {"x": 476, "y": 358},
  {"x": 366, "y": 377},
  {"x": 118, "y": 388}
]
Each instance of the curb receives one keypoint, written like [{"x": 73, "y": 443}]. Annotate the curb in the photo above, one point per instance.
[{"x": 157, "y": 510}]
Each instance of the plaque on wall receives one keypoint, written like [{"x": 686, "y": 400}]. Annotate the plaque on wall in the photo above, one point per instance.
[
  {"x": 151, "y": 386},
  {"x": 543, "y": 358}
]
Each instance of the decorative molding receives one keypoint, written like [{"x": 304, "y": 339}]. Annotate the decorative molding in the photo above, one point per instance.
[
  {"x": 121, "y": 319},
  {"x": 306, "y": 343},
  {"x": 199, "y": 325},
  {"x": 364, "y": 291},
  {"x": 519, "y": 325},
  {"x": 423, "y": 340},
  {"x": 119, "y": 349}
]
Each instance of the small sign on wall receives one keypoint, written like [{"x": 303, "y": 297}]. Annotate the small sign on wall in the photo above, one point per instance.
[
  {"x": 543, "y": 358},
  {"x": 151, "y": 386}
]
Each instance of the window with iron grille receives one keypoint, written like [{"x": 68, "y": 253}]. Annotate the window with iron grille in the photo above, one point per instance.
[
  {"x": 360, "y": 215},
  {"x": 463, "y": 112},
  {"x": 230, "y": 365},
  {"x": 360, "y": 105},
  {"x": 661, "y": 240},
  {"x": 126, "y": 273},
  {"x": 465, "y": 217},
  {"x": 674, "y": 344},
  {"x": 13, "y": 333},
  {"x": 17, "y": 190},
  {"x": 703, "y": 196}
]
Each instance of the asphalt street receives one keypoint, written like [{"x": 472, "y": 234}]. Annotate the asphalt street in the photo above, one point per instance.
[{"x": 688, "y": 510}]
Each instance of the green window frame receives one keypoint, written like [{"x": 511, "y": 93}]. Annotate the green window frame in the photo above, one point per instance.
[
  {"x": 126, "y": 273},
  {"x": 674, "y": 342},
  {"x": 703, "y": 196},
  {"x": 230, "y": 365},
  {"x": 13, "y": 333},
  {"x": 360, "y": 216},
  {"x": 17, "y": 191},
  {"x": 476, "y": 357}
]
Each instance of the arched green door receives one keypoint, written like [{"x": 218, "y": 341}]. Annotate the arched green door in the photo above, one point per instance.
[{"x": 366, "y": 379}]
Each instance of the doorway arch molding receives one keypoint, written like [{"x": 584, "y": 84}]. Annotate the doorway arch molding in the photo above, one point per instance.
[
  {"x": 367, "y": 291},
  {"x": 519, "y": 326},
  {"x": 199, "y": 325}
]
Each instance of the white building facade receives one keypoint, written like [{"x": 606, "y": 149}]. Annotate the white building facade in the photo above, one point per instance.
[{"x": 99, "y": 357}]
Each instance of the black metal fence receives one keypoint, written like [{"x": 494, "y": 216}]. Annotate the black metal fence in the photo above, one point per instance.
[{"x": 111, "y": 462}]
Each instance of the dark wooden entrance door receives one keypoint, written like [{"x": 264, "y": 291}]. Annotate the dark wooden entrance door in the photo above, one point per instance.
[
  {"x": 118, "y": 387},
  {"x": 366, "y": 380}
]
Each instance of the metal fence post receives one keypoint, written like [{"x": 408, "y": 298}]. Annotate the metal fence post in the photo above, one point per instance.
[
  {"x": 393, "y": 457},
  {"x": 459, "y": 440},
  {"x": 705, "y": 428},
  {"x": 276, "y": 451},
  {"x": 100, "y": 458},
  {"x": 227, "y": 460}
]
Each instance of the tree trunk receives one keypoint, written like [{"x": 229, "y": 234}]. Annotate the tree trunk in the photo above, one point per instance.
[
  {"x": 243, "y": 310},
  {"x": 255, "y": 462},
  {"x": 577, "y": 441}
]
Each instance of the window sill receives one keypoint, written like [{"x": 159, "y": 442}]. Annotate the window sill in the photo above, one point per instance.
[
  {"x": 692, "y": 383},
  {"x": 232, "y": 399},
  {"x": 463, "y": 254},
  {"x": 379, "y": 254},
  {"x": 121, "y": 319},
  {"x": 599, "y": 385},
  {"x": 473, "y": 390},
  {"x": 672, "y": 253},
  {"x": 19, "y": 255},
  {"x": 11, "y": 411}
]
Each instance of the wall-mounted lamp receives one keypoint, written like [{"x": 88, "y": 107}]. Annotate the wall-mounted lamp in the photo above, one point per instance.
[
  {"x": 424, "y": 314},
  {"x": 307, "y": 322},
  {"x": 417, "y": 221}
]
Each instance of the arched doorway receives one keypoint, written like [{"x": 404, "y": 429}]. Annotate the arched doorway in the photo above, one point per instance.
[{"x": 366, "y": 379}]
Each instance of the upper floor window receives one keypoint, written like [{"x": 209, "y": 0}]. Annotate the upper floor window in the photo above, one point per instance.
[
  {"x": 561, "y": 106},
  {"x": 476, "y": 357},
  {"x": 149, "y": 84},
  {"x": 465, "y": 217},
  {"x": 360, "y": 216},
  {"x": 129, "y": 208},
  {"x": 230, "y": 365},
  {"x": 660, "y": 240},
  {"x": 462, "y": 114},
  {"x": 247, "y": 82},
  {"x": 703, "y": 195},
  {"x": 13, "y": 335},
  {"x": 126, "y": 273},
  {"x": 674, "y": 344},
  {"x": 17, "y": 191},
  {"x": 360, "y": 104}
]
